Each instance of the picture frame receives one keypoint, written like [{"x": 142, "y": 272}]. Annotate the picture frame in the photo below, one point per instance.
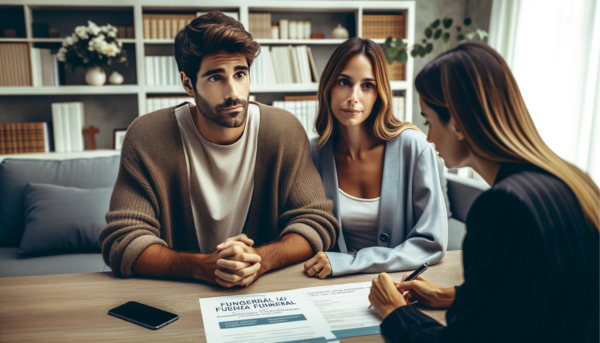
[{"x": 118, "y": 137}]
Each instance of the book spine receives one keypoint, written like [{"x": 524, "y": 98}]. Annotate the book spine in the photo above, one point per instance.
[
  {"x": 59, "y": 145},
  {"x": 153, "y": 27},
  {"x": 2, "y": 140},
  {"x": 164, "y": 60},
  {"x": 167, "y": 23},
  {"x": 157, "y": 72},
  {"x": 150, "y": 81},
  {"x": 66, "y": 120},
  {"x": 146, "y": 22},
  {"x": 161, "y": 27},
  {"x": 174, "y": 26}
]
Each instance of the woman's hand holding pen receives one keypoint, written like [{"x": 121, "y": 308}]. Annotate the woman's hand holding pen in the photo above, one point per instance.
[
  {"x": 426, "y": 292},
  {"x": 384, "y": 295}
]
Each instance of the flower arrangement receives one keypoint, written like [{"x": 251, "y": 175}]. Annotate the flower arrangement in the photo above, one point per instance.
[{"x": 92, "y": 46}]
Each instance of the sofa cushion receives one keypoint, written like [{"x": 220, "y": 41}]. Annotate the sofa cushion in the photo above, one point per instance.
[
  {"x": 63, "y": 219},
  {"x": 15, "y": 174},
  {"x": 12, "y": 265}
]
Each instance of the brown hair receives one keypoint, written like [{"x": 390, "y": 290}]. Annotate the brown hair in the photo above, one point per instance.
[
  {"x": 383, "y": 125},
  {"x": 473, "y": 84},
  {"x": 209, "y": 34}
]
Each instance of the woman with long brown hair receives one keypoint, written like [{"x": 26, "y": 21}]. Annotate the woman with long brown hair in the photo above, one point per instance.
[
  {"x": 380, "y": 173},
  {"x": 531, "y": 253}
]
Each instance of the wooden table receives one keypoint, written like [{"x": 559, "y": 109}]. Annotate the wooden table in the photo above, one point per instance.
[{"x": 73, "y": 307}]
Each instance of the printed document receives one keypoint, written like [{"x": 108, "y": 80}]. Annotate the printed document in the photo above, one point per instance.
[
  {"x": 286, "y": 316},
  {"x": 346, "y": 308}
]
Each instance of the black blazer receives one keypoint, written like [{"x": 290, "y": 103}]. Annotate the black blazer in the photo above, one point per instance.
[{"x": 531, "y": 266}]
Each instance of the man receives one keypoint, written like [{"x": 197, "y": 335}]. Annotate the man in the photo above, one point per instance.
[{"x": 200, "y": 186}]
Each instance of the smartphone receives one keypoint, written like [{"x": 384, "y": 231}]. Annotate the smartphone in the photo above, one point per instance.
[{"x": 143, "y": 315}]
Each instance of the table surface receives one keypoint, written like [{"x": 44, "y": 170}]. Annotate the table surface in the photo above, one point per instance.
[{"x": 73, "y": 307}]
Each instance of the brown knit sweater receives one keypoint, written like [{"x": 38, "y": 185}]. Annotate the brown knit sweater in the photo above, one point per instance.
[{"x": 151, "y": 204}]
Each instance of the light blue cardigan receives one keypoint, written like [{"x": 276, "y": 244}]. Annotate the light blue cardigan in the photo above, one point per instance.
[{"x": 413, "y": 215}]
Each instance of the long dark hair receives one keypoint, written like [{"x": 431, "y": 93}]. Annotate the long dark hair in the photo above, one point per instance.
[{"x": 473, "y": 85}]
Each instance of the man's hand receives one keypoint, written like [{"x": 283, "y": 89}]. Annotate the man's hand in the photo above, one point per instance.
[
  {"x": 238, "y": 262},
  {"x": 320, "y": 262}
]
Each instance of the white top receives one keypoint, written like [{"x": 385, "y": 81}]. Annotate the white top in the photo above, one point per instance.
[
  {"x": 221, "y": 178},
  {"x": 359, "y": 221}
]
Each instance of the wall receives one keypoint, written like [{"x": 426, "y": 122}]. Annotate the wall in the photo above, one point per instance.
[{"x": 429, "y": 10}]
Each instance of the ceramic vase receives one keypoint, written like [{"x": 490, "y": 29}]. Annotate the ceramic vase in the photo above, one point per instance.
[{"x": 95, "y": 76}]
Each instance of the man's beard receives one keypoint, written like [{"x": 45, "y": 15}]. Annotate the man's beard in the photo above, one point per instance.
[{"x": 224, "y": 119}]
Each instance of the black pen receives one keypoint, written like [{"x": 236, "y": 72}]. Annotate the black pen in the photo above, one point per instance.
[{"x": 414, "y": 274}]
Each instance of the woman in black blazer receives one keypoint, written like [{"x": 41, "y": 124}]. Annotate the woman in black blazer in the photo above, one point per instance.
[{"x": 531, "y": 253}]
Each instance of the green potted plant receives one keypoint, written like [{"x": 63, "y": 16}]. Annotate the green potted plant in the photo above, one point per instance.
[
  {"x": 440, "y": 30},
  {"x": 94, "y": 48}
]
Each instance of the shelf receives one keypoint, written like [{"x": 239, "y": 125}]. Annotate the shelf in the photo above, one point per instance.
[
  {"x": 13, "y": 40},
  {"x": 159, "y": 41},
  {"x": 264, "y": 41},
  {"x": 70, "y": 90}
]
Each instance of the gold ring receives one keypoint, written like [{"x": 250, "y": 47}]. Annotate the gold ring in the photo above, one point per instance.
[{"x": 315, "y": 269}]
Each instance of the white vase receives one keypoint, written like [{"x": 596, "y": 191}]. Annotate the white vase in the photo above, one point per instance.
[
  {"x": 95, "y": 76},
  {"x": 339, "y": 32},
  {"x": 115, "y": 78}
]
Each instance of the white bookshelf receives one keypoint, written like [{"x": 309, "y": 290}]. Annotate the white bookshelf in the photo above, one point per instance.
[{"x": 140, "y": 7}]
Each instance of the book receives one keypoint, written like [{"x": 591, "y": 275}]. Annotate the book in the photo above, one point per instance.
[
  {"x": 149, "y": 64},
  {"x": 155, "y": 104},
  {"x": 20, "y": 138},
  {"x": 15, "y": 69},
  {"x": 160, "y": 27},
  {"x": 304, "y": 110},
  {"x": 313, "y": 67},
  {"x": 68, "y": 121},
  {"x": 146, "y": 21}
]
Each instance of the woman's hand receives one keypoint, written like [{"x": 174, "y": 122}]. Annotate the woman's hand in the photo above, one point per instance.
[
  {"x": 384, "y": 296},
  {"x": 426, "y": 292},
  {"x": 320, "y": 262}
]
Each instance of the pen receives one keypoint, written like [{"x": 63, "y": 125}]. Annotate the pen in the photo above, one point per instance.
[{"x": 414, "y": 274}]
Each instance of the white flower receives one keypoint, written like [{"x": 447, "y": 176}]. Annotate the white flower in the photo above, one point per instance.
[
  {"x": 68, "y": 41},
  {"x": 93, "y": 28},
  {"x": 75, "y": 38},
  {"x": 61, "y": 54},
  {"x": 101, "y": 46},
  {"x": 112, "y": 50},
  {"x": 81, "y": 31}
]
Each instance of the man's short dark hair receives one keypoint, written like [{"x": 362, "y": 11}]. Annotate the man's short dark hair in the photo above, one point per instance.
[{"x": 207, "y": 35}]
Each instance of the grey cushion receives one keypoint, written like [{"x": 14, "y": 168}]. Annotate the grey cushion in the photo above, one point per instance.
[
  {"x": 15, "y": 174},
  {"x": 12, "y": 265},
  {"x": 64, "y": 219}
]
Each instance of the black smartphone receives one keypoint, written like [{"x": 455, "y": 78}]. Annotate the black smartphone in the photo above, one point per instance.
[{"x": 143, "y": 315}]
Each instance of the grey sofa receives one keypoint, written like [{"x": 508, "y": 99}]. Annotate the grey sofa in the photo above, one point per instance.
[
  {"x": 102, "y": 172},
  {"x": 15, "y": 174}
]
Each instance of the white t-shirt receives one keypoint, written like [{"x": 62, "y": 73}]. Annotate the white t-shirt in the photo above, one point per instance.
[
  {"x": 221, "y": 178},
  {"x": 359, "y": 221}
]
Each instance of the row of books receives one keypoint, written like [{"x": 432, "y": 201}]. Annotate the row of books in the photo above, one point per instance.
[
  {"x": 260, "y": 25},
  {"x": 14, "y": 68},
  {"x": 284, "y": 64},
  {"x": 383, "y": 26},
  {"x": 23, "y": 138},
  {"x": 125, "y": 31},
  {"x": 304, "y": 110},
  {"x": 162, "y": 71},
  {"x": 155, "y": 104},
  {"x": 44, "y": 68},
  {"x": 164, "y": 26},
  {"x": 398, "y": 106},
  {"x": 68, "y": 121}
]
